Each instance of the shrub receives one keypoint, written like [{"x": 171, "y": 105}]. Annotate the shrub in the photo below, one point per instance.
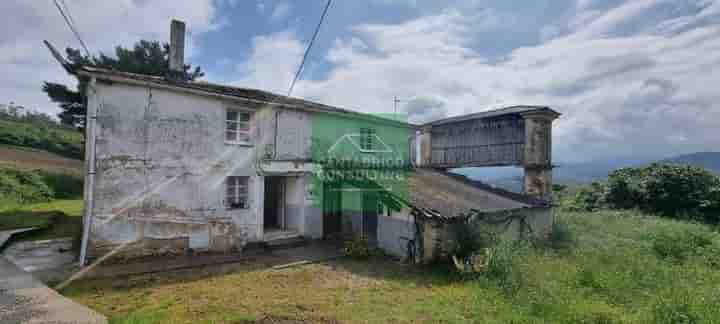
[
  {"x": 589, "y": 198},
  {"x": 23, "y": 186},
  {"x": 469, "y": 238},
  {"x": 681, "y": 244},
  {"x": 357, "y": 248},
  {"x": 65, "y": 186},
  {"x": 666, "y": 189}
]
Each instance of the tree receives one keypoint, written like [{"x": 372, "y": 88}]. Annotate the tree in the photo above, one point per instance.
[{"x": 146, "y": 57}]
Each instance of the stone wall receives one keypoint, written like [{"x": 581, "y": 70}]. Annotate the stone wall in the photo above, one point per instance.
[{"x": 162, "y": 160}]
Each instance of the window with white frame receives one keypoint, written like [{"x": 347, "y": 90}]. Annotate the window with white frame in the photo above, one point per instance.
[
  {"x": 236, "y": 196},
  {"x": 237, "y": 127}
]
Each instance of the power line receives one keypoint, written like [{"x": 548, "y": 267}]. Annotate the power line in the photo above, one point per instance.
[
  {"x": 69, "y": 21},
  {"x": 307, "y": 50},
  {"x": 67, "y": 10}
]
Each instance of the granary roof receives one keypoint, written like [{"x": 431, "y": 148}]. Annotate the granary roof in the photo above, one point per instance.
[
  {"x": 230, "y": 92},
  {"x": 451, "y": 196},
  {"x": 512, "y": 110}
]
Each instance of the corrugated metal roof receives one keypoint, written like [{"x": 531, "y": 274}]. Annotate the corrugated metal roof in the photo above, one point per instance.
[{"x": 513, "y": 110}]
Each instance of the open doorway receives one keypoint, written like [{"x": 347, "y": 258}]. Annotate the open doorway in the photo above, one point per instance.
[
  {"x": 332, "y": 211},
  {"x": 370, "y": 211},
  {"x": 274, "y": 203}
]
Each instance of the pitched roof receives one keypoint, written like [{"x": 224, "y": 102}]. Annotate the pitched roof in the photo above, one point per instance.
[
  {"x": 455, "y": 195},
  {"x": 248, "y": 94},
  {"x": 512, "y": 110}
]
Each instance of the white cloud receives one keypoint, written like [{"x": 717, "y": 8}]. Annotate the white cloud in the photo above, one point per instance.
[
  {"x": 26, "y": 63},
  {"x": 644, "y": 94},
  {"x": 272, "y": 63}
]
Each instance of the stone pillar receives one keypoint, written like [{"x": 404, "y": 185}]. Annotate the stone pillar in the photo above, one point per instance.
[
  {"x": 424, "y": 153},
  {"x": 537, "y": 155}
]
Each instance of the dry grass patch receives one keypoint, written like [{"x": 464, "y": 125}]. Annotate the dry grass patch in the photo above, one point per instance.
[{"x": 341, "y": 291}]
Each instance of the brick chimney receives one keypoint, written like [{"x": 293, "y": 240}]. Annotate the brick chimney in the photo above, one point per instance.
[{"x": 177, "y": 49}]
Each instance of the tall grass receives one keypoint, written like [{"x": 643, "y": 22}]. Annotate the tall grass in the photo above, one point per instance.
[{"x": 612, "y": 274}]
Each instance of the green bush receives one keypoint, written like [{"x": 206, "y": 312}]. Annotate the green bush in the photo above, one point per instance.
[
  {"x": 357, "y": 248},
  {"x": 65, "y": 186},
  {"x": 589, "y": 198},
  {"x": 667, "y": 189},
  {"x": 25, "y": 187},
  {"x": 681, "y": 244},
  {"x": 469, "y": 238}
]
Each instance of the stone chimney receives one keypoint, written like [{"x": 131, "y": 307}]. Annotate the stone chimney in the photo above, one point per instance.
[{"x": 177, "y": 49}]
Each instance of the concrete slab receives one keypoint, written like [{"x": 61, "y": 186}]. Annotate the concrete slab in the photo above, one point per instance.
[
  {"x": 309, "y": 253},
  {"x": 23, "y": 299},
  {"x": 32, "y": 256}
]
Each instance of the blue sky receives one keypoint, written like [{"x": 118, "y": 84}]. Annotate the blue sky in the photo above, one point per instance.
[{"x": 632, "y": 78}]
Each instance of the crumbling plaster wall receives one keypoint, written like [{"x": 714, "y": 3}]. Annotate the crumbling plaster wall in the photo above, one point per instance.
[{"x": 161, "y": 161}]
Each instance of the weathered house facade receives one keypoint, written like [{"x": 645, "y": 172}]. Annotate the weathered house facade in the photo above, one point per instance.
[{"x": 176, "y": 166}]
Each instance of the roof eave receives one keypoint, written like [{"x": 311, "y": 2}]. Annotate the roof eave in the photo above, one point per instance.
[{"x": 83, "y": 72}]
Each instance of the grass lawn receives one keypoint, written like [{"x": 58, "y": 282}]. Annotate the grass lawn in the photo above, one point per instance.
[
  {"x": 58, "y": 218},
  {"x": 612, "y": 276}
]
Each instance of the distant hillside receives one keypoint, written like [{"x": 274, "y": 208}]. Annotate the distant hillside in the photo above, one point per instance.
[
  {"x": 23, "y": 158},
  {"x": 707, "y": 160},
  {"x": 586, "y": 172},
  {"x": 510, "y": 178},
  {"x": 55, "y": 139}
]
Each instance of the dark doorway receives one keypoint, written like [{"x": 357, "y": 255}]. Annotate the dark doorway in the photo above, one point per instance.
[
  {"x": 274, "y": 203},
  {"x": 370, "y": 211},
  {"x": 332, "y": 211}
]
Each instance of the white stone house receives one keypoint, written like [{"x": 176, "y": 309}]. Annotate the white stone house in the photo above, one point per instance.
[{"x": 178, "y": 166}]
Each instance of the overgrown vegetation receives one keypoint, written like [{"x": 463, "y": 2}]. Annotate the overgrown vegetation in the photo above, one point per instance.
[
  {"x": 675, "y": 191},
  {"x": 357, "y": 248},
  {"x": 681, "y": 244},
  {"x": 55, "y": 139},
  {"x": 481, "y": 253},
  {"x": 611, "y": 275},
  {"x": 18, "y": 187}
]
